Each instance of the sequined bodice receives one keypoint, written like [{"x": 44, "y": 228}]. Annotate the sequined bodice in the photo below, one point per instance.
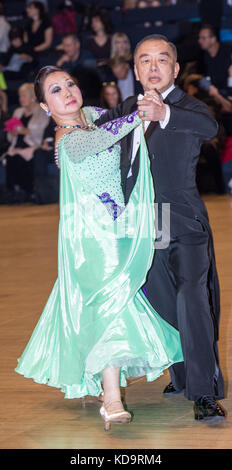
[{"x": 96, "y": 154}]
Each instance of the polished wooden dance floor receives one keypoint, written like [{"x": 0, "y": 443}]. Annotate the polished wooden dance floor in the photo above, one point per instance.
[{"x": 36, "y": 416}]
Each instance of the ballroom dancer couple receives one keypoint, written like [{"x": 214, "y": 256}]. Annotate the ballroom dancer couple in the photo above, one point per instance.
[{"x": 121, "y": 308}]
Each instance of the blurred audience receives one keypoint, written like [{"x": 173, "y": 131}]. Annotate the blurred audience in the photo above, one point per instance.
[
  {"x": 110, "y": 95},
  {"x": 216, "y": 58},
  {"x": 24, "y": 137},
  {"x": 4, "y": 30},
  {"x": 124, "y": 75},
  {"x": 209, "y": 172},
  {"x": 73, "y": 56},
  {"x": 102, "y": 63},
  {"x": 64, "y": 20},
  {"x": 149, "y": 3},
  {"x": 120, "y": 46},
  {"x": 99, "y": 43},
  {"x": 19, "y": 60},
  {"x": 38, "y": 33},
  {"x": 226, "y": 161}
]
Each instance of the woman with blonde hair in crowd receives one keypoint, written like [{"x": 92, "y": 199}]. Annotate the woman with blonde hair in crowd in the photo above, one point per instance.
[
  {"x": 25, "y": 133},
  {"x": 120, "y": 46}
]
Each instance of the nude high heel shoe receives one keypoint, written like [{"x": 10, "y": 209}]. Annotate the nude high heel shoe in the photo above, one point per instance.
[{"x": 118, "y": 416}]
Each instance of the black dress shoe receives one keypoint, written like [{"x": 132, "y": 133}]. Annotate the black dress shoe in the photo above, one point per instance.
[
  {"x": 208, "y": 409},
  {"x": 171, "y": 390}
]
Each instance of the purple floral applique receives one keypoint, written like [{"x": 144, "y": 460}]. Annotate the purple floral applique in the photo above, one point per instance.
[
  {"x": 100, "y": 111},
  {"x": 112, "y": 207},
  {"x": 116, "y": 124}
]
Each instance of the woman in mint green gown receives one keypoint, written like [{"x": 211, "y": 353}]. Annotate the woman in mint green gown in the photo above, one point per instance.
[{"x": 97, "y": 328}]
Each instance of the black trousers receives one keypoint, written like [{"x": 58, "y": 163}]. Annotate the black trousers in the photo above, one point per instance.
[
  {"x": 19, "y": 172},
  {"x": 178, "y": 288}
]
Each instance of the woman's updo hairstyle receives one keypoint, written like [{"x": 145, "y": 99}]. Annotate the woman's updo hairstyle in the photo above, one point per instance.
[{"x": 40, "y": 79}]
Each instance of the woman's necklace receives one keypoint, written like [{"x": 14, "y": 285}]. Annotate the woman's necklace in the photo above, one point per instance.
[{"x": 89, "y": 127}]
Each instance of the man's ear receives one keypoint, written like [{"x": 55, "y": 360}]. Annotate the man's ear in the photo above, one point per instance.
[
  {"x": 177, "y": 69},
  {"x": 136, "y": 73}
]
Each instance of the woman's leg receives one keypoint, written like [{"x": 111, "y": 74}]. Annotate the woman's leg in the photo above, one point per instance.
[
  {"x": 112, "y": 395},
  {"x": 112, "y": 410}
]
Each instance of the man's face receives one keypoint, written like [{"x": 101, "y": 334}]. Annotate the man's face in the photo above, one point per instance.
[
  {"x": 155, "y": 65},
  {"x": 71, "y": 47},
  {"x": 120, "y": 71},
  {"x": 205, "y": 39}
]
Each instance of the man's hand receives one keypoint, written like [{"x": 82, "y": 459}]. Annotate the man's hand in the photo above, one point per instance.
[
  {"x": 63, "y": 58},
  {"x": 152, "y": 107}
]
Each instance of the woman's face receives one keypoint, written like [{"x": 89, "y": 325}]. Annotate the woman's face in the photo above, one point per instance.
[
  {"x": 96, "y": 24},
  {"x": 25, "y": 98},
  {"x": 111, "y": 96},
  {"x": 62, "y": 95},
  {"x": 33, "y": 12},
  {"x": 121, "y": 46}
]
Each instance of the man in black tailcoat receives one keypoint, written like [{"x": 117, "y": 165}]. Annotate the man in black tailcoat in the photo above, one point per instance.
[{"x": 182, "y": 284}]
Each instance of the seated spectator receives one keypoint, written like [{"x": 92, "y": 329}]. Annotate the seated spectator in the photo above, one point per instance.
[
  {"x": 196, "y": 85},
  {"x": 4, "y": 31},
  {"x": 209, "y": 171},
  {"x": 64, "y": 20},
  {"x": 4, "y": 115},
  {"x": 149, "y": 3},
  {"x": 99, "y": 43},
  {"x": 19, "y": 60},
  {"x": 44, "y": 3},
  {"x": 110, "y": 95},
  {"x": 3, "y": 102},
  {"x": 120, "y": 46},
  {"x": 24, "y": 139},
  {"x": 124, "y": 75},
  {"x": 129, "y": 4},
  {"x": 73, "y": 57},
  {"x": 46, "y": 175},
  {"x": 226, "y": 161},
  {"x": 39, "y": 32},
  {"x": 216, "y": 57}
]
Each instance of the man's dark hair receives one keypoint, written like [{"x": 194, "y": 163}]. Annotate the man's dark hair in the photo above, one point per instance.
[
  {"x": 117, "y": 60},
  {"x": 71, "y": 35},
  {"x": 15, "y": 33},
  {"x": 213, "y": 31},
  {"x": 156, "y": 37}
]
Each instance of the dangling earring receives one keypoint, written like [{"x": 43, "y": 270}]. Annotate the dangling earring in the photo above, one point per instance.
[{"x": 48, "y": 112}]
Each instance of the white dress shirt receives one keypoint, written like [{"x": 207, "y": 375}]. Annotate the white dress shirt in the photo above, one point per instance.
[{"x": 137, "y": 131}]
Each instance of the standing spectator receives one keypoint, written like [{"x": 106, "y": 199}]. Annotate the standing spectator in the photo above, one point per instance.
[
  {"x": 73, "y": 57},
  {"x": 99, "y": 43},
  {"x": 24, "y": 139},
  {"x": 217, "y": 57},
  {"x": 124, "y": 75},
  {"x": 39, "y": 32},
  {"x": 110, "y": 95},
  {"x": 4, "y": 30},
  {"x": 120, "y": 46}
]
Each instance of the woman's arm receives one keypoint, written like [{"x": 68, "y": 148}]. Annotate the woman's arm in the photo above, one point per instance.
[{"x": 80, "y": 144}]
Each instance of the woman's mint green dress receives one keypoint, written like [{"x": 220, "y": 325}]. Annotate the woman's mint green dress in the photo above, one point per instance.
[{"x": 97, "y": 314}]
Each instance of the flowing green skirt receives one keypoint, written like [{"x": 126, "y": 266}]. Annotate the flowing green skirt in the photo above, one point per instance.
[{"x": 97, "y": 314}]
